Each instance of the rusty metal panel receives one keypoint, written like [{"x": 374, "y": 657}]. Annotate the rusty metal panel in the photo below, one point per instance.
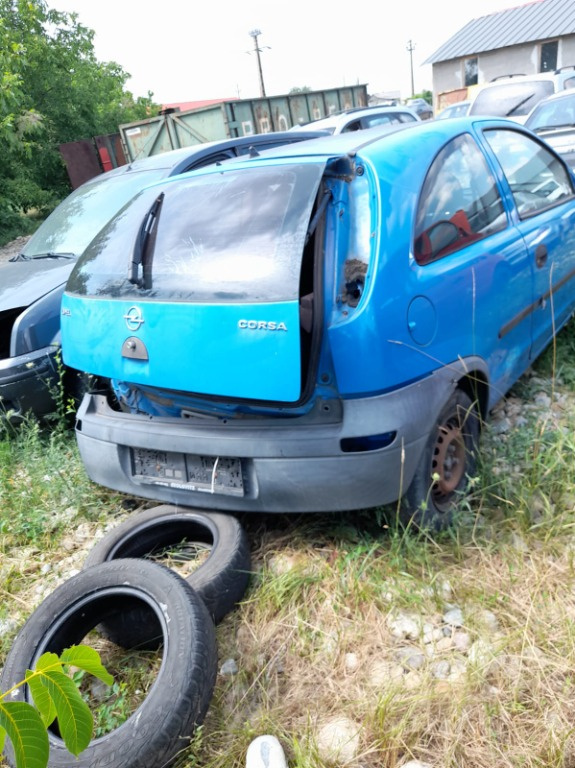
[
  {"x": 81, "y": 159},
  {"x": 446, "y": 98},
  {"x": 299, "y": 109},
  {"x": 112, "y": 143},
  {"x": 232, "y": 118},
  {"x": 280, "y": 113},
  {"x": 200, "y": 125},
  {"x": 147, "y": 137}
]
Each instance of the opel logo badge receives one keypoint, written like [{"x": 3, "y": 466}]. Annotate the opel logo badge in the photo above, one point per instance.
[{"x": 134, "y": 318}]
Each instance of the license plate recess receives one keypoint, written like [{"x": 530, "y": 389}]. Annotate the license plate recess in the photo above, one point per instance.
[{"x": 208, "y": 474}]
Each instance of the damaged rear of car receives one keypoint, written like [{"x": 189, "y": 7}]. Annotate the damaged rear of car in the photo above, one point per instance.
[
  {"x": 321, "y": 327},
  {"x": 216, "y": 331}
]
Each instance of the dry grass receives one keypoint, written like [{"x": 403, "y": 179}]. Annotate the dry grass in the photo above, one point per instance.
[
  {"x": 325, "y": 653},
  {"x": 315, "y": 639}
]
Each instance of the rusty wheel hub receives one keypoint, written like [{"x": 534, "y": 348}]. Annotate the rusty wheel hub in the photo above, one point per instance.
[{"x": 448, "y": 462}]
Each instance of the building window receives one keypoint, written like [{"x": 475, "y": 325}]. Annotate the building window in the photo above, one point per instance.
[
  {"x": 548, "y": 60},
  {"x": 470, "y": 68}
]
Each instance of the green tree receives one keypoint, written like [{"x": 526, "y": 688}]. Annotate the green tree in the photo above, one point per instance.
[
  {"x": 52, "y": 90},
  {"x": 427, "y": 95}
]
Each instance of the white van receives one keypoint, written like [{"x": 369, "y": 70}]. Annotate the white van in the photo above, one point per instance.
[{"x": 514, "y": 96}]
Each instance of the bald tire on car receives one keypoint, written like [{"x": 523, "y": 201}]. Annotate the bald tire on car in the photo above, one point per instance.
[
  {"x": 220, "y": 581},
  {"x": 179, "y": 697},
  {"x": 448, "y": 461}
]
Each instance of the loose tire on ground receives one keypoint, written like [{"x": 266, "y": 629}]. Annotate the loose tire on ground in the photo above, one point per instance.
[
  {"x": 221, "y": 580},
  {"x": 178, "y": 698},
  {"x": 448, "y": 461}
]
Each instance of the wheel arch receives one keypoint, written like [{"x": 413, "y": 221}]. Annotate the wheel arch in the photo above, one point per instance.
[{"x": 476, "y": 386}]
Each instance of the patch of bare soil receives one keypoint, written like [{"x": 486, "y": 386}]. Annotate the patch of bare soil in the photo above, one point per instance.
[{"x": 13, "y": 248}]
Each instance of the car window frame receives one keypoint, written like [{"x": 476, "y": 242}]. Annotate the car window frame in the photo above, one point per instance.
[
  {"x": 468, "y": 238},
  {"x": 544, "y": 148}
]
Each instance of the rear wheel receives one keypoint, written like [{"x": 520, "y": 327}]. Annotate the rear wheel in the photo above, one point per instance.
[{"x": 448, "y": 460}]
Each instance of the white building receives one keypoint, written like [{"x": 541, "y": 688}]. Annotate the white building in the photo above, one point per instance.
[{"x": 538, "y": 36}]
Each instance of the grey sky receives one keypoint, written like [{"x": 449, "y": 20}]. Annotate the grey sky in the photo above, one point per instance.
[{"x": 186, "y": 51}]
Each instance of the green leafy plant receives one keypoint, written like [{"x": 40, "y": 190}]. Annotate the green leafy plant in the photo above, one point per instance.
[{"x": 56, "y": 696}]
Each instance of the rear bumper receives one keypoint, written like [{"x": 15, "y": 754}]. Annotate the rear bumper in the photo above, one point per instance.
[
  {"x": 285, "y": 466},
  {"x": 28, "y": 383}
]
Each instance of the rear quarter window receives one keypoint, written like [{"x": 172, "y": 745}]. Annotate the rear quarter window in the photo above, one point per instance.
[{"x": 459, "y": 203}]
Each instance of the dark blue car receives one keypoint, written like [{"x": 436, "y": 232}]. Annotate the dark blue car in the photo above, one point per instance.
[{"x": 323, "y": 326}]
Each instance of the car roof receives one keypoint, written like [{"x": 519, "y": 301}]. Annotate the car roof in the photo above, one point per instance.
[
  {"x": 176, "y": 160},
  {"x": 337, "y": 118},
  {"x": 422, "y": 138},
  {"x": 568, "y": 93},
  {"x": 539, "y": 117},
  {"x": 557, "y": 75},
  {"x": 456, "y": 104}
]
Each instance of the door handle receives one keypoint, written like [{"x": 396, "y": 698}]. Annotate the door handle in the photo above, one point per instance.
[{"x": 540, "y": 255}]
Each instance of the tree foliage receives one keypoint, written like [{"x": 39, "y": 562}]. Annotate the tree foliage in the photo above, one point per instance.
[
  {"x": 55, "y": 696},
  {"x": 426, "y": 94},
  {"x": 52, "y": 90}
]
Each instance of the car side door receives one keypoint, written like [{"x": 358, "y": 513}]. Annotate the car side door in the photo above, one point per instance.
[
  {"x": 472, "y": 265},
  {"x": 543, "y": 194}
]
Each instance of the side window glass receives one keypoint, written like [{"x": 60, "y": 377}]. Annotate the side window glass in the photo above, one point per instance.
[
  {"x": 217, "y": 157},
  {"x": 355, "y": 125},
  {"x": 536, "y": 177},
  {"x": 459, "y": 202},
  {"x": 379, "y": 120}
]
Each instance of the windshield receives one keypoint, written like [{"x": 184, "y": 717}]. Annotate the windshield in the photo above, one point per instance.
[
  {"x": 75, "y": 222},
  {"x": 231, "y": 236},
  {"x": 553, "y": 114},
  {"x": 511, "y": 99}
]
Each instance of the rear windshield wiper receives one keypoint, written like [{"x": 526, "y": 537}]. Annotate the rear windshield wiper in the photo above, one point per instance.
[
  {"x": 47, "y": 255},
  {"x": 519, "y": 104},
  {"x": 142, "y": 244}
]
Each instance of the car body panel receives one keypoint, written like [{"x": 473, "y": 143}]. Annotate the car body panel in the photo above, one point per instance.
[
  {"x": 23, "y": 282},
  {"x": 553, "y": 119},
  {"x": 515, "y": 96},
  {"x": 422, "y": 107},
  {"x": 394, "y": 328},
  {"x": 361, "y": 118},
  {"x": 458, "y": 109},
  {"x": 270, "y": 354}
]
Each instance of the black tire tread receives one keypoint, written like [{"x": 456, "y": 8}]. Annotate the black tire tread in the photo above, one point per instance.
[
  {"x": 180, "y": 697},
  {"x": 221, "y": 581}
]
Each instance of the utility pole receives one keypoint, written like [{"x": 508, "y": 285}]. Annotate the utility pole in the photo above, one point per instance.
[
  {"x": 411, "y": 48},
  {"x": 255, "y": 33}
]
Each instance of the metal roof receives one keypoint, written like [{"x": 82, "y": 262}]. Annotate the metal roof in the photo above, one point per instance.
[{"x": 538, "y": 20}]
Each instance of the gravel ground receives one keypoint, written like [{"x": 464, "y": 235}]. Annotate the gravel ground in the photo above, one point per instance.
[{"x": 13, "y": 248}]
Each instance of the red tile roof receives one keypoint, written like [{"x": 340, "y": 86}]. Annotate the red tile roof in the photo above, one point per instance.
[{"x": 185, "y": 106}]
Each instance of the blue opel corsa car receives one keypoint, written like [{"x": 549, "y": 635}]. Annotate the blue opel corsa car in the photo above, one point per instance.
[{"x": 324, "y": 326}]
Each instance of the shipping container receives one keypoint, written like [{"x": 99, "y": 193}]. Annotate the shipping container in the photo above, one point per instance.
[{"x": 228, "y": 119}]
